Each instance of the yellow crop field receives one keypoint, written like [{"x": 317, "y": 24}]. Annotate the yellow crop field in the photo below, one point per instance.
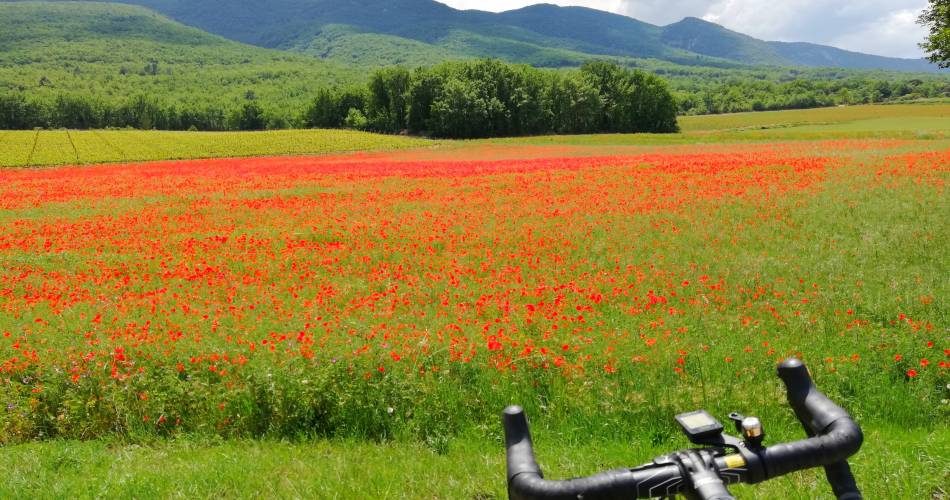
[{"x": 62, "y": 147}]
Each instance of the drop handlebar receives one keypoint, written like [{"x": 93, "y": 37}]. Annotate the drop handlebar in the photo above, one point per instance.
[{"x": 704, "y": 473}]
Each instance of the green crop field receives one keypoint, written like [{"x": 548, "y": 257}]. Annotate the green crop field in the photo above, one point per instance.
[{"x": 899, "y": 113}]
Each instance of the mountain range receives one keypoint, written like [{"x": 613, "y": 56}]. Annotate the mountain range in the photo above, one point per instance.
[
  {"x": 380, "y": 32},
  {"x": 101, "y": 54}
]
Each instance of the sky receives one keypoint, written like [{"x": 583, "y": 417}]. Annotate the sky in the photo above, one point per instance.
[{"x": 883, "y": 27}]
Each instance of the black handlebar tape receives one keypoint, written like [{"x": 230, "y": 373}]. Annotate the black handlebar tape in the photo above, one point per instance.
[
  {"x": 525, "y": 481},
  {"x": 835, "y": 436},
  {"x": 842, "y": 481},
  {"x": 814, "y": 409},
  {"x": 709, "y": 486},
  {"x": 518, "y": 443},
  {"x": 704, "y": 478}
]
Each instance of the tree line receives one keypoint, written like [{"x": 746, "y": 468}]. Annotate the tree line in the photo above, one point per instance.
[
  {"x": 489, "y": 98},
  {"x": 696, "y": 97},
  {"x": 17, "y": 112},
  {"x": 483, "y": 98}
]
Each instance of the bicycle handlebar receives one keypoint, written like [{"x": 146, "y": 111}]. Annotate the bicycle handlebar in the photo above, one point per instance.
[{"x": 834, "y": 437}]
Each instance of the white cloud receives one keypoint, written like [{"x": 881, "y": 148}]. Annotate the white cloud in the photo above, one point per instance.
[
  {"x": 885, "y": 27},
  {"x": 896, "y": 33}
]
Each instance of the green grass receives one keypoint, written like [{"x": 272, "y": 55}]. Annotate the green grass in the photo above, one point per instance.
[
  {"x": 875, "y": 244},
  {"x": 61, "y": 147},
  {"x": 897, "y": 121},
  {"x": 903, "y": 124},
  {"x": 901, "y": 116},
  {"x": 895, "y": 463}
]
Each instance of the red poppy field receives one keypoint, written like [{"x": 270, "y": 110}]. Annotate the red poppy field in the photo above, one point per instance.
[
  {"x": 380, "y": 288},
  {"x": 414, "y": 295}
]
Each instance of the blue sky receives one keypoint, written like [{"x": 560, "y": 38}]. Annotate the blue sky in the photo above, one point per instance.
[{"x": 884, "y": 27}]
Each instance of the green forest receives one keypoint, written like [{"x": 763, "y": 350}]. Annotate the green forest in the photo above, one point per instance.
[
  {"x": 484, "y": 98},
  {"x": 462, "y": 99},
  {"x": 489, "y": 98}
]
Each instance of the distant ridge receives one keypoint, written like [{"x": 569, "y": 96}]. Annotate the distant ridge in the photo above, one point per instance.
[{"x": 380, "y": 32}]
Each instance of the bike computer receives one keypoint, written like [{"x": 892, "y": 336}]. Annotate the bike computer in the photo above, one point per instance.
[{"x": 699, "y": 425}]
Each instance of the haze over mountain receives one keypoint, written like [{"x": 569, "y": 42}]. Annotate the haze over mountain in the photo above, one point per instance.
[{"x": 425, "y": 31}]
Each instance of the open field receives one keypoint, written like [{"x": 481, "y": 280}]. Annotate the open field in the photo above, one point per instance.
[
  {"x": 899, "y": 113},
  {"x": 61, "y": 147},
  {"x": 71, "y": 147},
  {"x": 353, "y": 324},
  {"x": 900, "y": 121}
]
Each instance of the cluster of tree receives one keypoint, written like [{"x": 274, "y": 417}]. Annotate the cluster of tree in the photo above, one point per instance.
[
  {"x": 738, "y": 95},
  {"x": 485, "y": 98},
  {"x": 489, "y": 98},
  {"x": 936, "y": 18},
  {"x": 140, "y": 112}
]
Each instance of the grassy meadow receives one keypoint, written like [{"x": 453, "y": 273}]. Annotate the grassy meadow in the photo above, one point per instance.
[
  {"x": 352, "y": 326},
  {"x": 70, "y": 147},
  {"x": 901, "y": 116}
]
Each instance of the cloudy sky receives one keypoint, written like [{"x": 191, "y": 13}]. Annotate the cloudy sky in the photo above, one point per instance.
[{"x": 884, "y": 27}]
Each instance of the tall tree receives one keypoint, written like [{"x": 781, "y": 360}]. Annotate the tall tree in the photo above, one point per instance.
[
  {"x": 387, "y": 107},
  {"x": 937, "y": 18}
]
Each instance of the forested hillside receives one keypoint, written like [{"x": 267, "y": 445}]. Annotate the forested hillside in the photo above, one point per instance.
[
  {"x": 541, "y": 35},
  {"x": 113, "y": 51}
]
